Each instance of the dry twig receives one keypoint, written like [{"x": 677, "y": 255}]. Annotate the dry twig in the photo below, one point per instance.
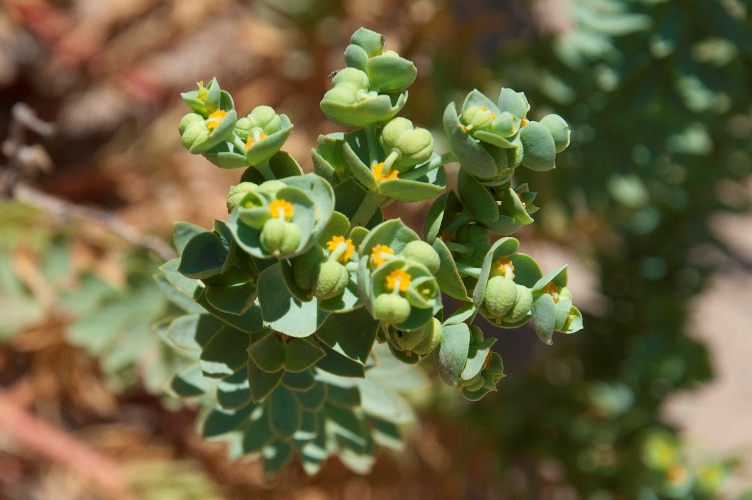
[{"x": 24, "y": 161}]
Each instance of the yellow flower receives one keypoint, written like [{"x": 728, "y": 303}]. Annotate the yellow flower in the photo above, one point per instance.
[
  {"x": 377, "y": 254},
  {"x": 398, "y": 279},
  {"x": 249, "y": 142},
  {"x": 215, "y": 118},
  {"x": 379, "y": 176},
  {"x": 334, "y": 243},
  {"x": 553, "y": 290},
  {"x": 503, "y": 266},
  {"x": 281, "y": 208},
  {"x": 524, "y": 122}
]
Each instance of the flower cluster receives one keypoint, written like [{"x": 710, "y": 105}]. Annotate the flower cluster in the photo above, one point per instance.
[{"x": 289, "y": 298}]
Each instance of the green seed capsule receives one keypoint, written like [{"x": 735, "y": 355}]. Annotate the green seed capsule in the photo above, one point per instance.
[
  {"x": 501, "y": 295},
  {"x": 402, "y": 340},
  {"x": 332, "y": 280},
  {"x": 279, "y": 237},
  {"x": 392, "y": 309},
  {"x": 422, "y": 252},
  {"x": 305, "y": 268},
  {"x": 521, "y": 307},
  {"x": 431, "y": 339}
]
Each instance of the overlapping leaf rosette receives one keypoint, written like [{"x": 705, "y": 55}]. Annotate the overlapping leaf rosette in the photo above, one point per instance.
[
  {"x": 273, "y": 394},
  {"x": 307, "y": 309}
]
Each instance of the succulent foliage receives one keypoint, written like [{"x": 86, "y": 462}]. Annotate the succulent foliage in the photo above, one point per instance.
[{"x": 292, "y": 292}]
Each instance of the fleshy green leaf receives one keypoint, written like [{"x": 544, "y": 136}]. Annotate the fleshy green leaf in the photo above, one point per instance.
[{"x": 452, "y": 353}]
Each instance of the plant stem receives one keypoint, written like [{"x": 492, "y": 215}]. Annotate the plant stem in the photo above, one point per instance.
[
  {"x": 367, "y": 208},
  {"x": 466, "y": 270},
  {"x": 266, "y": 170},
  {"x": 461, "y": 220},
  {"x": 372, "y": 142},
  {"x": 238, "y": 143},
  {"x": 460, "y": 248},
  {"x": 447, "y": 157}
]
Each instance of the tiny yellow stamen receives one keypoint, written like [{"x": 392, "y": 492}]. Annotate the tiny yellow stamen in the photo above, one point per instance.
[
  {"x": 250, "y": 141},
  {"x": 215, "y": 119},
  {"x": 553, "y": 291},
  {"x": 377, "y": 254},
  {"x": 484, "y": 108},
  {"x": 379, "y": 176},
  {"x": 504, "y": 265},
  {"x": 281, "y": 209},
  {"x": 334, "y": 243},
  {"x": 524, "y": 122},
  {"x": 398, "y": 279}
]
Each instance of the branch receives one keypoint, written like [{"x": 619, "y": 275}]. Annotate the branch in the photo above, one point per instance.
[
  {"x": 21, "y": 162},
  {"x": 64, "y": 210}
]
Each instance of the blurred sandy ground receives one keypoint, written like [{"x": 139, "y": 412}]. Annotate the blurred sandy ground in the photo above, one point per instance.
[{"x": 718, "y": 417}]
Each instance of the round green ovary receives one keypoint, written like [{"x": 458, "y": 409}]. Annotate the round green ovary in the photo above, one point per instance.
[
  {"x": 279, "y": 237},
  {"x": 521, "y": 307},
  {"x": 332, "y": 280},
  {"x": 390, "y": 308},
  {"x": 501, "y": 295},
  {"x": 406, "y": 341},
  {"x": 431, "y": 339},
  {"x": 422, "y": 252}
]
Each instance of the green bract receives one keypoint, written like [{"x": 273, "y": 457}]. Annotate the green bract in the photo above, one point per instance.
[
  {"x": 351, "y": 103},
  {"x": 287, "y": 300}
]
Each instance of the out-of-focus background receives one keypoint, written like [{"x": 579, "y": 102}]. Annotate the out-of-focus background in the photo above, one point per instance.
[{"x": 649, "y": 205}]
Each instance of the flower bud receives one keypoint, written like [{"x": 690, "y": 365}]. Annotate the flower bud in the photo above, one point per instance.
[
  {"x": 194, "y": 134},
  {"x": 356, "y": 57},
  {"x": 431, "y": 339},
  {"x": 351, "y": 78},
  {"x": 332, "y": 280},
  {"x": 477, "y": 118},
  {"x": 237, "y": 193},
  {"x": 505, "y": 124},
  {"x": 279, "y": 237},
  {"x": 189, "y": 120},
  {"x": 422, "y": 252},
  {"x": 501, "y": 295},
  {"x": 414, "y": 145},
  {"x": 390, "y": 308},
  {"x": 474, "y": 384},
  {"x": 262, "y": 117},
  {"x": 521, "y": 307},
  {"x": 402, "y": 340}
]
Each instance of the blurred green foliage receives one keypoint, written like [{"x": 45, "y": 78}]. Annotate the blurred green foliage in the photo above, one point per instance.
[
  {"x": 658, "y": 97},
  {"x": 41, "y": 281}
]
